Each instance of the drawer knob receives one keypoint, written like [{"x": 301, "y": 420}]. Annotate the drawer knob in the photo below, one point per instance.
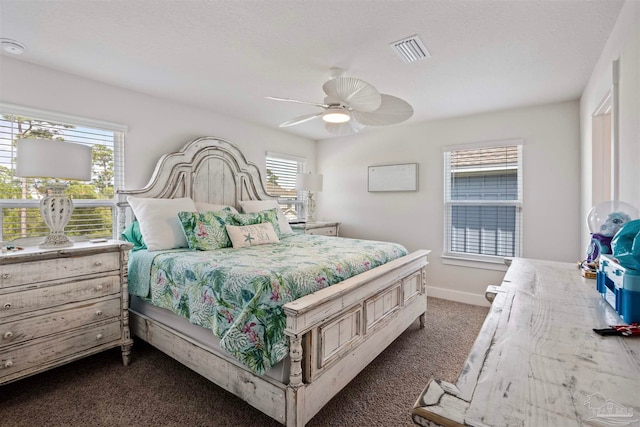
[
  {"x": 98, "y": 337},
  {"x": 99, "y": 313},
  {"x": 7, "y": 305},
  {"x": 8, "y": 335},
  {"x": 6, "y": 275},
  {"x": 8, "y": 363},
  {"x": 97, "y": 263},
  {"x": 99, "y": 288}
]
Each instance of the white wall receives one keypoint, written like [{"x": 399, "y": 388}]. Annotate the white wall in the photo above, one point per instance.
[
  {"x": 623, "y": 44},
  {"x": 155, "y": 126},
  {"x": 415, "y": 219}
]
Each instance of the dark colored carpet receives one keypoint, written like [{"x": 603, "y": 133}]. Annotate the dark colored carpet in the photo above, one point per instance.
[{"x": 154, "y": 390}]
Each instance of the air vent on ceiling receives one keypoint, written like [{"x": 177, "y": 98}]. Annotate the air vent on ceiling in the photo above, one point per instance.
[{"x": 410, "y": 49}]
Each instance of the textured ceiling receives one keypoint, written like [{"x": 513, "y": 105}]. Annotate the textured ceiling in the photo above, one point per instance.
[{"x": 228, "y": 55}]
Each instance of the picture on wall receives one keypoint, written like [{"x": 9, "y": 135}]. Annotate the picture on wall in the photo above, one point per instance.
[{"x": 398, "y": 177}]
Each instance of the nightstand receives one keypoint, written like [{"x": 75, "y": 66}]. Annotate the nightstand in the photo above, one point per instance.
[
  {"x": 321, "y": 228},
  {"x": 58, "y": 305}
]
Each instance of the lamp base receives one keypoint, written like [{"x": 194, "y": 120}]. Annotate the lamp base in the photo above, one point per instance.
[
  {"x": 56, "y": 209},
  {"x": 310, "y": 207},
  {"x": 56, "y": 240}
]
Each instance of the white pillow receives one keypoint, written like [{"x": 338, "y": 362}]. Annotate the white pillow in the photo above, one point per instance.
[
  {"x": 212, "y": 207},
  {"x": 159, "y": 223},
  {"x": 250, "y": 206},
  {"x": 252, "y": 235}
]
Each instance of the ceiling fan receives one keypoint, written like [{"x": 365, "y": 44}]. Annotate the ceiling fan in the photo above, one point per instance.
[{"x": 351, "y": 104}]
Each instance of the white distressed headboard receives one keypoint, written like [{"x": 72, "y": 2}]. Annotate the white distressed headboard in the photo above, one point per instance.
[{"x": 207, "y": 169}]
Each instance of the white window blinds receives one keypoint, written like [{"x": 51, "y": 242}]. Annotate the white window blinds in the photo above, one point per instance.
[
  {"x": 94, "y": 207},
  {"x": 483, "y": 201},
  {"x": 281, "y": 182}
]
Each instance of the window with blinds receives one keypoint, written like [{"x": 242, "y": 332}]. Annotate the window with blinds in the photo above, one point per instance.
[
  {"x": 94, "y": 208},
  {"x": 483, "y": 201},
  {"x": 281, "y": 182}
]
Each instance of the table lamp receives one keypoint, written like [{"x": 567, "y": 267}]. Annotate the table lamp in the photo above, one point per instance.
[
  {"x": 309, "y": 182},
  {"x": 45, "y": 158}
]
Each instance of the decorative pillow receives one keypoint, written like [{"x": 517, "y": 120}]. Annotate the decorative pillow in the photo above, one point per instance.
[
  {"x": 133, "y": 235},
  {"x": 269, "y": 215},
  {"x": 159, "y": 222},
  {"x": 250, "y": 206},
  {"x": 206, "y": 231},
  {"x": 252, "y": 235},
  {"x": 206, "y": 207}
]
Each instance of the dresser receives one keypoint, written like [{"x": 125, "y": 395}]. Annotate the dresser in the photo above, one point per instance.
[
  {"x": 320, "y": 228},
  {"x": 537, "y": 360},
  {"x": 58, "y": 305}
]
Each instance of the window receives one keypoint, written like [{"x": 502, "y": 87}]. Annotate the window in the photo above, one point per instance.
[
  {"x": 94, "y": 207},
  {"x": 483, "y": 201},
  {"x": 281, "y": 182}
]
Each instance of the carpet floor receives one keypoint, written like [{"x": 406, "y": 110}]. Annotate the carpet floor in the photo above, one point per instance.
[{"x": 155, "y": 390}]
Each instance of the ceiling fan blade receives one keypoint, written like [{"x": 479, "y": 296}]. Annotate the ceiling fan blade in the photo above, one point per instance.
[
  {"x": 341, "y": 129},
  {"x": 392, "y": 110},
  {"x": 275, "y": 98},
  {"x": 300, "y": 119},
  {"x": 355, "y": 93}
]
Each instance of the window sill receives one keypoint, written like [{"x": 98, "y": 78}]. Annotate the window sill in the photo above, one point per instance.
[{"x": 483, "y": 262}]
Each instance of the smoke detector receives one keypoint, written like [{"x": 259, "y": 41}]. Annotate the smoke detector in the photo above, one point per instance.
[
  {"x": 410, "y": 49},
  {"x": 11, "y": 46}
]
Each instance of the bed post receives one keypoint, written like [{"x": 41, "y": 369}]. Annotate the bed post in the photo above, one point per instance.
[{"x": 295, "y": 389}]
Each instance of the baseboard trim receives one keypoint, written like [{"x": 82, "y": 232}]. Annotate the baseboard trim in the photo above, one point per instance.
[{"x": 458, "y": 296}]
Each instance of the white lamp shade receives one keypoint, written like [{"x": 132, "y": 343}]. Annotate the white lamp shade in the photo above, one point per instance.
[
  {"x": 309, "y": 182},
  {"x": 46, "y": 158}
]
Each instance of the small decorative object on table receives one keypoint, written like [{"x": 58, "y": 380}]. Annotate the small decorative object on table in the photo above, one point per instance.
[
  {"x": 588, "y": 269},
  {"x": 604, "y": 220}
]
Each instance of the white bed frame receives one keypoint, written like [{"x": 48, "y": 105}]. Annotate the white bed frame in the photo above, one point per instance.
[{"x": 333, "y": 334}]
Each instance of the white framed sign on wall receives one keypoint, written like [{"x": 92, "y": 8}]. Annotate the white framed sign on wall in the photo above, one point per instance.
[{"x": 398, "y": 177}]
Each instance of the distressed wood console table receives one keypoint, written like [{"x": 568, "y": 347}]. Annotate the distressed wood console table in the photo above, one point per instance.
[{"x": 537, "y": 361}]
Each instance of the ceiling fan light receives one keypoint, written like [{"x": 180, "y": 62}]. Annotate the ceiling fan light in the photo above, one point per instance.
[{"x": 336, "y": 115}]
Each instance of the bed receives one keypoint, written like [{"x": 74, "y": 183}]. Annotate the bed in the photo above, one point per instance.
[{"x": 329, "y": 335}]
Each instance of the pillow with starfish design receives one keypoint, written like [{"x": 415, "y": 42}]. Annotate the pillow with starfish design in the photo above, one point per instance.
[{"x": 252, "y": 235}]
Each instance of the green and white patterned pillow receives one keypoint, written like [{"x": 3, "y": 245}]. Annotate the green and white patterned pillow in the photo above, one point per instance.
[
  {"x": 269, "y": 215},
  {"x": 206, "y": 231}
]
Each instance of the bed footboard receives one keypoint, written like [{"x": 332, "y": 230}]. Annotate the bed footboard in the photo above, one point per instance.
[
  {"x": 336, "y": 332},
  {"x": 333, "y": 334}
]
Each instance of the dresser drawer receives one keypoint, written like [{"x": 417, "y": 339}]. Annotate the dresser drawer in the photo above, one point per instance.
[
  {"x": 68, "y": 317},
  {"x": 51, "y": 296},
  {"x": 48, "y": 352},
  {"x": 59, "y": 268},
  {"x": 322, "y": 231}
]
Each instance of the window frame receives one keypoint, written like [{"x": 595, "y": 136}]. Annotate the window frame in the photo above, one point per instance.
[
  {"x": 119, "y": 132},
  {"x": 491, "y": 262}
]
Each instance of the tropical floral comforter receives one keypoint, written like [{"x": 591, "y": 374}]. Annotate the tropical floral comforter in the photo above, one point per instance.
[{"x": 239, "y": 293}]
